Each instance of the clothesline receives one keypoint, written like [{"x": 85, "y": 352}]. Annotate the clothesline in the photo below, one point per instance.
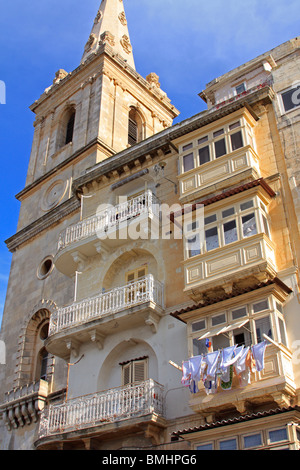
[{"x": 217, "y": 368}]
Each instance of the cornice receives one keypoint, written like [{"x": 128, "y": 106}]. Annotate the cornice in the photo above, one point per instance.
[
  {"x": 167, "y": 136},
  {"x": 43, "y": 223}
]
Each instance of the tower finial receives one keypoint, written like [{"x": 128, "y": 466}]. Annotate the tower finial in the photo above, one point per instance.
[{"x": 110, "y": 27}]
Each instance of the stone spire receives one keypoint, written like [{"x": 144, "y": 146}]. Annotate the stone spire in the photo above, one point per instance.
[{"x": 110, "y": 27}]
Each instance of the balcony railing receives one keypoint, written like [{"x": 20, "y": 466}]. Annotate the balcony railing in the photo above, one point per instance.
[
  {"x": 124, "y": 403},
  {"x": 146, "y": 289},
  {"x": 110, "y": 219}
]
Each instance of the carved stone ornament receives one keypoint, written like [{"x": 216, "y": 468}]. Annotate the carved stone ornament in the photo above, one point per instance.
[
  {"x": 107, "y": 37},
  {"x": 122, "y": 18},
  {"x": 91, "y": 42},
  {"x": 125, "y": 43},
  {"x": 153, "y": 79},
  {"x": 59, "y": 75},
  {"x": 98, "y": 17}
]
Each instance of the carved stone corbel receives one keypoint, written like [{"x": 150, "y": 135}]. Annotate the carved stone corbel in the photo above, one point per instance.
[
  {"x": 73, "y": 346},
  {"x": 97, "y": 338}
]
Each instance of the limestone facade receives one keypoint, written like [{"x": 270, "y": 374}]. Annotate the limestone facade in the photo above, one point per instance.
[{"x": 110, "y": 289}]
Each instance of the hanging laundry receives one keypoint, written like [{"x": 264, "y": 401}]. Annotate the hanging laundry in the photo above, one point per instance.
[
  {"x": 258, "y": 351},
  {"x": 195, "y": 364},
  {"x": 186, "y": 374},
  {"x": 211, "y": 360},
  {"x": 226, "y": 357},
  {"x": 240, "y": 364}
]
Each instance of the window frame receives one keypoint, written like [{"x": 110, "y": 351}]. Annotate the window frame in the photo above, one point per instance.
[
  {"x": 253, "y": 434},
  {"x": 210, "y": 138},
  {"x": 209, "y": 332},
  {"x": 219, "y": 221},
  {"x": 281, "y": 101},
  {"x": 130, "y": 366}
]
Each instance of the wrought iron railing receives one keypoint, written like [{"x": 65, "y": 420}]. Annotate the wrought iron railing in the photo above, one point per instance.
[
  {"x": 118, "y": 404},
  {"x": 146, "y": 289},
  {"x": 110, "y": 219}
]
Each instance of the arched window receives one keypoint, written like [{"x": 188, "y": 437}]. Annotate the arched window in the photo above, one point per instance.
[
  {"x": 70, "y": 128},
  {"x": 135, "y": 127},
  {"x": 66, "y": 124}
]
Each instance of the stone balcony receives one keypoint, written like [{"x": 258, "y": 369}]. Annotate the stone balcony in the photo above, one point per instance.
[
  {"x": 140, "y": 302},
  {"x": 23, "y": 405},
  {"x": 107, "y": 230},
  {"x": 253, "y": 257},
  {"x": 134, "y": 405}
]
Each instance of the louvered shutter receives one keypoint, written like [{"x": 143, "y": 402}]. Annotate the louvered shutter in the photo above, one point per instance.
[
  {"x": 139, "y": 370},
  {"x": 132, "y": 132},
  {"x": 126, "y": 372}
]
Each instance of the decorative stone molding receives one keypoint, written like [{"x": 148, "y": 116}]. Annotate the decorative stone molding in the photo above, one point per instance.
[
  {"x": 125, "y": 43},
  {"x": 23, "y": 404},
  {"x": 153, "y": 79},
  {"x": 122, "y": 18},
  {"x": 59, "y": 75},
  {"x": 108, "y": 38}
]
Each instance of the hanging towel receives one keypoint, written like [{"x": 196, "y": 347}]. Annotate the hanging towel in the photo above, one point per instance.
[
  {"x": 211, "y": 360},
  {"x": 226, "y": 357},
  {"x": 240, "y": 364},
  {"x": 195, "y": 364},
  {"x": 186, "y": 374},
  {"x": 258, "y": 351}
]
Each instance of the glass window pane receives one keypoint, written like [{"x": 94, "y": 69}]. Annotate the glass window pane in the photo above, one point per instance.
[
  {"x": 240, "y": 88},
  {"x": 188, "y": 162},
  {"x": 249, "y": 225},
  {"x": 220, "y": 342},
  {"x": 212, "y": 239},
  {"x": 263, "y": 326},
  {"x": 204, "y": 156},
  {"x": 234, "y": 125},
  {"x": 236, "y": 140},
  {"x": 246, "y": 205},
  {"x": 262, "y": 305},
  {"x": 218, "y": 133},
  {"x": 220, "y": 148},
  {"x": 230, "y": 232},
  {"x": 205, "y": 447},
  {"x": 203, "y": 140},
  {"x": 228, "y": 212},
  {"x": 252, "y": 441},
  {"x": 228, "y": 444},
  {"x": 199, "y": 347},
  {"x": 218, "y": 319},
  {"x": 210, "y": 219},
  {"x": 239, "y": 313},
  {"x": 199, "y": 325},
  {"x": 291, "y": 98},
  {"x": 278, "y": 435},
  {"x": 187, "y": 147},
  {"x": 194, "y": 248}
]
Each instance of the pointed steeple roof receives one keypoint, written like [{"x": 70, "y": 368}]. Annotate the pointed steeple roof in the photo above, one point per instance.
[{"x": 110, "y": 26}]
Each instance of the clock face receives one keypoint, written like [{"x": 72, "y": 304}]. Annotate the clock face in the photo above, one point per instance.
[{"x": 54, "y": 194}]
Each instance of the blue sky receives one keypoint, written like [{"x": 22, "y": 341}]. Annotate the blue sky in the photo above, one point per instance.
[{"x": 186, "y": 43}]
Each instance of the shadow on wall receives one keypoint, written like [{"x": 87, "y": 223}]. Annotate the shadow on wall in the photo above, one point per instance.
[{"x": 110, "y": 375}]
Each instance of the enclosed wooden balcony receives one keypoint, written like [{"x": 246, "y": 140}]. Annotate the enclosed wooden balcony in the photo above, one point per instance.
[
  {"x": 252, "y": 257},
  {"x": 275, "y": 383},
  {"x": 121, "y": 408},
  {"x": 139, "y": 302},
  {"x": 230, "y": 169},
  {"x": 107, "y": 230}
]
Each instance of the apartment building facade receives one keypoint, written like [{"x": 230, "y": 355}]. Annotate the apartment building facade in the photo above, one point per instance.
[{"x": 142, "y": 245}]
